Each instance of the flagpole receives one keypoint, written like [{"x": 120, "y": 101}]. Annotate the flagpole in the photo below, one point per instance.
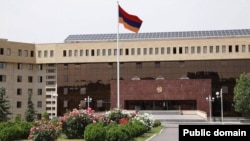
[{"x": 117, "y": 60}]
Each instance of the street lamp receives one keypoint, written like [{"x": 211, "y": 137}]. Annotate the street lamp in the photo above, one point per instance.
[
  {"x": 52, "y": 96},
  {"x": 88, "y": 99},
  {"x": 220, "y": 95},
  {"x": 210, "y": 100}
]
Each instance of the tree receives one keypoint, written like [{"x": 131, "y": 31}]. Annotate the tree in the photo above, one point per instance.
[
  {"x": 30, "y": 113},
  {"x": 4, "y": 106},
  {"x": 241, "y": 97}
]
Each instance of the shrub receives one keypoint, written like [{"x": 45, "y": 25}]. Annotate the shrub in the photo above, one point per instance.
[
  {"x": 74, "y": 123},
  {"x": 95, "y": 132},
  {"x": 45, "y": 130},
  {"x": 146, "y": 119},
  {"x": 116, "y": 134},
  {"x": 156, "y": 123},
  {"x": 118, "y": 114},
  {"x": 14, "y": 130}
]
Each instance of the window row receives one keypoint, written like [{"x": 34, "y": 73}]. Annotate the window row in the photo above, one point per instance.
[
  {"x": 39, "y": 104},
  {"x": 19, "y": 91},
  {"x": 158, "y": 50},
  {"x": 45, "y": 53},
  {"x": 24, "y": 53}
]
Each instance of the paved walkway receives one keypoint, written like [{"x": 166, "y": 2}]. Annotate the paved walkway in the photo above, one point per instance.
[{"x": 172, "y": 122}]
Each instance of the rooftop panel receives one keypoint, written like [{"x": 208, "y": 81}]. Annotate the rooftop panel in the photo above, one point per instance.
[{"x": 158, "y": 35}]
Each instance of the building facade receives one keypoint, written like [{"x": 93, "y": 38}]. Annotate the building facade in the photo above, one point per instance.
[{"x": 84, "y": 65}]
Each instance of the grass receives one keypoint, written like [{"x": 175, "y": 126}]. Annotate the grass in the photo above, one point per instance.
[{"x": 143, "y": 137}]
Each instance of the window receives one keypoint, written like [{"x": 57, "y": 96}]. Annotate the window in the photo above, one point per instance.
[
  {"x": 138, "y": 51},
  {"x": 66, "y": 79},
  {"x": 168, "y": 50},
  {"x": 92, "y": 52},
  {"x": 87, "y": 52},
  {"x": 39, "y": 91},
  {"x": 132, "y": 51},
  {"x": 76, "y": 53},
  {"x": 211, "y": 49},
  {"x": 64, "y": 53},
  {"x": 19, "y": 91},
  {"x": 199, "y": 49},
  {"x": 115, "y": 51},
  {"x": 162, "y": 50},
  {"x": 139, "y": 65},
  {"x": 2, "y": 78},
  {"x": 81, "y": 52},
  {"x": 186, "y": 50},
  {"x": 243, "y": 48},
  {"x": 8, "y": 51},
  {"x": 39, "y": 54},
  {"x": 40, "y": 67},
  {"x": 109, "y": 52},
  {"x": 223, "y": 49},
  {"x": 83, "y": 91},
  {"x": 157, "y": 64},
  {"x": 174, "y": 50},
  {"x": 103, "y": 52},
  {"x": 150, "y": 51},
  {"x": 110, "y": 65},
  {"x": 30, "y": 92},
  {"x": 204, "y": 49},
  {"x": 237, "y": 48},
  {"x": 217, "y": 49},
  {"x": 25, "y": 53},
  {"x": 2, "y": 65},
  {"x": 126, "y": 51},
  {"x": 19, "y": 104},
  {"x": 70, "y": 53},
  {"x": 230, "y": 48},
  {"x": 39, "y": 79},
  {"x": 19, "y": 52},
  {"x": 144, "y": 51},
  {"x": 193, "y": 50},
  {"x": 39, "y": 104},
  {"x": 98, "y": 52},
  {"x": 156, "y": 50},
  {"x": 51, "y": 53},
  {"x": 180, "y": 50},
  {"x": 65, "y": 66},
  {"x": 19, "y": 66},
  {"x": 45, "y": 53},
  {"x": 31, "y": 53},
  {"x": 1, "y": 51},
  {"x": 248, "y": 48},
  {"x": 19, "y": 78},
  {"x": 65, "y": 91},
  {"x": 30, "y": 66},
  {"x": 50, "y": 70},
  {"x": 30, "y": 79}
]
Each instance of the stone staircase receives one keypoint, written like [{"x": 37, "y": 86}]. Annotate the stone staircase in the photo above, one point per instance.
[{"x": 174, "y": 116}]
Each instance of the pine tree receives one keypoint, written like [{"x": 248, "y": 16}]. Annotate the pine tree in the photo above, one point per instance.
[
  {"x": 30, "y": 113},
  {"x": 4, "y": 106}
]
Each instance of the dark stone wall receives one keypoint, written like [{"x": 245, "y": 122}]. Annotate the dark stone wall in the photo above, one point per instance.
[{"x": 178, "y": 89}]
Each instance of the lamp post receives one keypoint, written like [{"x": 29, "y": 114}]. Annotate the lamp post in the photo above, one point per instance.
[
  {"x": 88, "y": 99},
  {"x": 210, "y": 100},
  {"x": 220, "y": 95},
  {"x": 52, "y": 96}
]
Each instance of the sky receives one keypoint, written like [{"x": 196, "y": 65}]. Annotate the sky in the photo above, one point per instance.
[{"x": 51, "y": 21}]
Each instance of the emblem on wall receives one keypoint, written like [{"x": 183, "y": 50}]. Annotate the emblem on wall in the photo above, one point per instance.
[{"x": 159, "y": 89}]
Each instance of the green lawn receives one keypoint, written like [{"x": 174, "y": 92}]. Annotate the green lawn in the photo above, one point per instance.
[{"x": 144, "y": 137}]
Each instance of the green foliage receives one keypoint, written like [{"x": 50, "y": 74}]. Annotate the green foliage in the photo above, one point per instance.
[
  {"x": 242, "y": 95},
  {"x": 45, "y": 130},
  {"x": 30, "y": 113},
  {"x": 4, "y": 106},
  {"x": 156, "y": 123},
  {"x": 116, "y": 134},
  {"x": 95, "y": 132},
  {"x": 45, "y": 116},
  {"x": 14, "y": 130}
]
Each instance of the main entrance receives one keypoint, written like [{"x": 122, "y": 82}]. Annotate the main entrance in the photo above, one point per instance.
[{"x": 160, "y": 104}]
